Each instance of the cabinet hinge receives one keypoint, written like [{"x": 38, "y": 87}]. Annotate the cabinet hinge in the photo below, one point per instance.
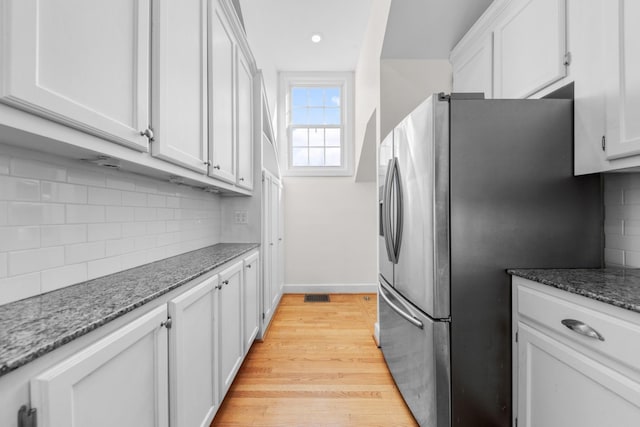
[
  {"x": 516, "y": 336},
  {"x": 262, "y": 316},
  {"x": 567, "y": 59},
  {"x": 516, "y": 422},
  {"x": 604, "y": 142},
  {"x": 27, "y": 417},
  {"x": 167, "y": 323}
]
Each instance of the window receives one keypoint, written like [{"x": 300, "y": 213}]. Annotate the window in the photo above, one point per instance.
[{"x": 316, "y": 124}]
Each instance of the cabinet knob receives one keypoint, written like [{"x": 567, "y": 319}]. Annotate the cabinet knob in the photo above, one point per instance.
[
  {"x": 225, "y": 282},
  {"x": 241, "y": 179},
  {"x": 207, "y": 163},
  {"x": 248, "y": 265},
  {"x": 217, "y": 167},
  {"x": 148, "y": 132},
  {"x": 218, "y": 286}
]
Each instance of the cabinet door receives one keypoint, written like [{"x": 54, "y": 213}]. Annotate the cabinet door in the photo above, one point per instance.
[
  {"x": 230, "y": 325},
  {"x": 560, "y": 387},
  {"x": 267, "y": 275},
  {"x": 82, "y": 64},
  {"x": 222, "y": 145},
  {"x": 274, "y": 246},
  {"x": 474, "y": 72},
  {"x": 245, "y": 122},
  {"x": 530, "y": 48},
  {"x": 120, "y": 380},
  {"x": 622, "y": 50},
  {"x": 180, "y": 82},
  {"x": 193, "y": 355},
  {"x": 251, "y": 299}
]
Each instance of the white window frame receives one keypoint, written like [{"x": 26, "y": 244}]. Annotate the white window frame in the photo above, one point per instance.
[{"x": 344, "y": 80}]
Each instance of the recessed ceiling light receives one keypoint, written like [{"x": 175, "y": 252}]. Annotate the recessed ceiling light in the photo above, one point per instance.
[{"x": 316, "y": 38}]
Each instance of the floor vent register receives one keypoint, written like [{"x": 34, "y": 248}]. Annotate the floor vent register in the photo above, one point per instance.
[{"x": 316, "y": 298}]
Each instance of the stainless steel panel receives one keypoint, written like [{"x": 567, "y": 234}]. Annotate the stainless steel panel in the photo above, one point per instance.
[
  {"x": 418, "y": 359},
  {"x": 421, "y": 146}
]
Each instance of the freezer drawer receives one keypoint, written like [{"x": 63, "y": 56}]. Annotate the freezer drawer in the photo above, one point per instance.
[{"x": 416, "y": 350}]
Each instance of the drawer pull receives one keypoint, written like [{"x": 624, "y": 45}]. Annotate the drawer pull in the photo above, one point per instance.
[{"x": 582, "y": 328}]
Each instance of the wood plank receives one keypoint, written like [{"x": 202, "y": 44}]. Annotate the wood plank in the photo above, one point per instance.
[{"x": 318, "y": 366}]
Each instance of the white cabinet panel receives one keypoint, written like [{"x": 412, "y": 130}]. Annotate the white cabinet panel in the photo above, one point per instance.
[
  {"x": 273, "y": 248},
  {"x": 120, "y": 380},
  {"x": 180, "y": 82},
  {"x": 193, "y": 355},
  {"x": 83, "y": 64},
  {"x": 530, "y": 48},
  {"x": 222, "y": 145},
  {"x": 245, "y": 122},
  {"x": 561, "y": 387},
  {"x": 474, "y": 72},
  {"x": 622, "y": 50},
  {"x": 230, "y": 325},
  {"x": 250, "y": 298}
]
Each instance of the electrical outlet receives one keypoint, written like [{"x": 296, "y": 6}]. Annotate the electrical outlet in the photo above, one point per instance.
[{"x": 241, "y": 217}]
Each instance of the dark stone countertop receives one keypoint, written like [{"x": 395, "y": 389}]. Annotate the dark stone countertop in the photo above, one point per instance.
[
  {"x": 32, "y": 327},
  {"x": 615, "y": 286}
]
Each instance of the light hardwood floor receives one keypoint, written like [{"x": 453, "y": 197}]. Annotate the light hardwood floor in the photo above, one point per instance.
[{"x": 318, "y": 366}]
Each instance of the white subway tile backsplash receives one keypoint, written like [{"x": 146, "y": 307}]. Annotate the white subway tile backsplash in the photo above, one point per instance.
[
  {"x": 3, "y": 266},
  {"x": 613, "y": 257},
  {"x": 18, "y": 238},
  {"x": 33, "y": 260},
  {"x": 104, "y": 196},
  {"x": 19, "y": 189},
  {"x": 37, "y": 170},
  {"x": 120, "y": 214},
  {"x": 133, "y": 198},
  {"x": 622, "y": 219},
  {"x": 119, "y": 246},
  {"x": 63, "y": 193},
  {"x": 63, "y": 222},
  {"x": 82, "y": 252},
  {"x": 95, "y": 177},
  {"x": 103, "y": 267},
  {"x": 22, "y": 213},
  {"x": 104, "y": 231},
  {"x": 57, "y": 235},
  {"x": 19, "y": 287},
  {"x": 60, "y": 277},
  {"x": 85, "y": 214}
]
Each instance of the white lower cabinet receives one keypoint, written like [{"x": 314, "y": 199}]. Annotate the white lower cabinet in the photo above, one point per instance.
[
  {"x": 230, "y": 325},
  {"x": 120, "y": 380},
  {"x": 563, "y": 378},
  {"x": 251, "y": 298},
  {"x": 169, "y": 367},
  {"x": 193, "y": 355}
]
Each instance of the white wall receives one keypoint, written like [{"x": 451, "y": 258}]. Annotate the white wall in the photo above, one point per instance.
[
  {"x": 65, "y": 221},
  {"x": 330, "y": 232},
  {"x": 622, "y": 219},
  {"x": 405, "y": 83}
]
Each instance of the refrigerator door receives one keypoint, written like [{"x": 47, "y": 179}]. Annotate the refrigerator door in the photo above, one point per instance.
[
  {"x": 422, "y": 150},
  {"x": 416, "y": 350},
  {"x": 384, "y": 245}
]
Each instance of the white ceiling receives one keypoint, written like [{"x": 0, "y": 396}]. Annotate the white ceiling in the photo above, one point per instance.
[{"x": 279, "y": 31}]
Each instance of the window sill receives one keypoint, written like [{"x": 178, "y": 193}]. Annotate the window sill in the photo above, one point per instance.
[{"x": 317, "y": 172}]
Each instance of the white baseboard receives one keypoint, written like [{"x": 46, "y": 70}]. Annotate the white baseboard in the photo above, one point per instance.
[{"x": 333, "y": 288}]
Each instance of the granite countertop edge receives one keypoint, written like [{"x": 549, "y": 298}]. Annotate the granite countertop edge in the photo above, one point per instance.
[
  {"x": 28, "y": 352},
  {"x": 616, "y": 286}
]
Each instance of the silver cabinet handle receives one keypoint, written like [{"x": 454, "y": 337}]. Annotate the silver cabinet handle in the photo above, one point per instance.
[
  {"x": 219, "y": 286},
  {"x": 207, "y": 163},
  {"x": 582, "y": 329},
  {"x": 408, "y": 317},
  {"x": 241, "y": 179},
  {"x": 217, "y": 167},
  {"x": 225, "y": 282},
  {"x": 148, "y": 133}
]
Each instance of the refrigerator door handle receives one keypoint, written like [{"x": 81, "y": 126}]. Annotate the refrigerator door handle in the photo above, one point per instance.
[
  {"x": 386, "y": 211},
  {"x": 408, "y": 317},
  {"x": 397, "y": 182}
]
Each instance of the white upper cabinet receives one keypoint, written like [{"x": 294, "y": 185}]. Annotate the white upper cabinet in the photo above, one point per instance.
[
  {"x": 221, "y": 96},
  {"x": 82, "y": 64},
  {"x": 245, "y": 121},
  {"x": 530, "y": 47},
  {"x": 622, "y": 56},
  {"x": 179, "y": 96},
  {"x": 473, "y": 69}
]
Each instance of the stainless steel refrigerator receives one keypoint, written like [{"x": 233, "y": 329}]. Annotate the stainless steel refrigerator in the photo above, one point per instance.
[{"x": 469, "y": 187}]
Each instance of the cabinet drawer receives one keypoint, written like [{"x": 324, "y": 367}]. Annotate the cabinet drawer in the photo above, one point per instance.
[{"x": 621, "y": 338}]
